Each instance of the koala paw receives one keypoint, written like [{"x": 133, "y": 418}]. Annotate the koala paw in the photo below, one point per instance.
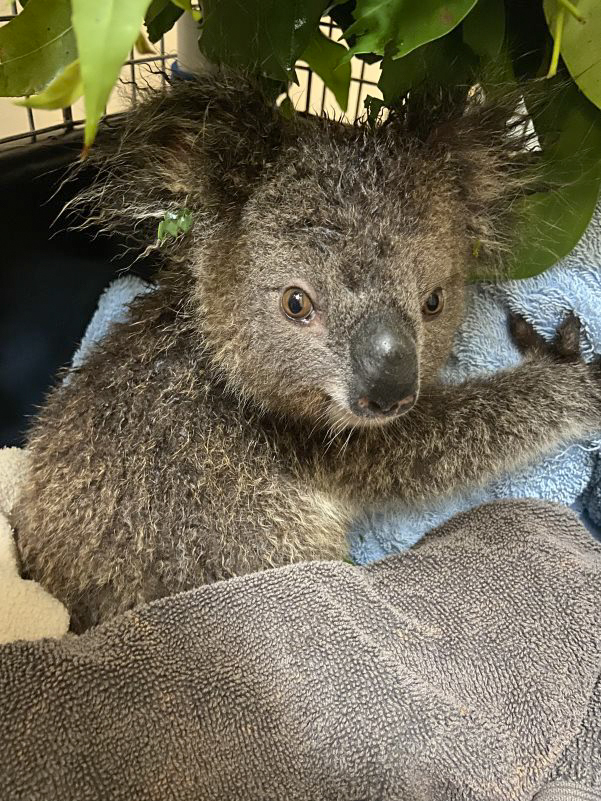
[{"x": 565, "y": 346}]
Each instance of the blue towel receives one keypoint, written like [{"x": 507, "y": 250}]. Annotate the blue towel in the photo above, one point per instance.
[
  {"x": 571, "y": 476},
  {"x": 112, "y": 308}
]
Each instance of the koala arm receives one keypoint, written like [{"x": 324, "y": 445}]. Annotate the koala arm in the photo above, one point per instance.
[{"x": 463, "y": 435}]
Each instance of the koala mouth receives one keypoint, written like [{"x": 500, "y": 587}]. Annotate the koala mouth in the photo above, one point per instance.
[
  {"x": 377, "y": 409},
  {"x": 364, "y": 413}
]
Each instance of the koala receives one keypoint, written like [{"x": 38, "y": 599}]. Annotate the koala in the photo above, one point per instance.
[{"x": 283, "y": 376}]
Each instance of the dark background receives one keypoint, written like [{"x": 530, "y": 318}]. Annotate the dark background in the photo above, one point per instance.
[{"x": 50, "y": 278}]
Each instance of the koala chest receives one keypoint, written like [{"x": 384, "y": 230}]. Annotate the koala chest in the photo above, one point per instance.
[{"x": 236, "y": 494}]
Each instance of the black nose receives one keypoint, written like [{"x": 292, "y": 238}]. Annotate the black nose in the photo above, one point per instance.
[{"x": 384, "y": 359}]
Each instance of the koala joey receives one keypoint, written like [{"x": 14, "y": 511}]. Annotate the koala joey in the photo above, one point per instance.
[{"x": 283, "y": 374}]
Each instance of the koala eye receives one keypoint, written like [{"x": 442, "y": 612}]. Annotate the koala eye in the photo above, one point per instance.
[
  {"x": 297, "y": 305},
  {"x": 434, "y": 303}
]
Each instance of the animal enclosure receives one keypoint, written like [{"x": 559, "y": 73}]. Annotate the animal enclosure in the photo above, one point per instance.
[{"x": 20, "y": 126}]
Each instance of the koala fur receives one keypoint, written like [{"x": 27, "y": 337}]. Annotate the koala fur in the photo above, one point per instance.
[{"x": 210, "y": 435}]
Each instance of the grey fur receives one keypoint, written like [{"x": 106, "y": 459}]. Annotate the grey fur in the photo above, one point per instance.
[{"x": 210, "y": 436}]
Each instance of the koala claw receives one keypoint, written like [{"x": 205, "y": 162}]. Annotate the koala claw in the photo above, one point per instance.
[
  {"x": 565, "y": 346},
  {"x": 566, "y": 343}
]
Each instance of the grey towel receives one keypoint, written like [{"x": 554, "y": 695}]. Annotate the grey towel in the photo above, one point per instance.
[{"x": 463, "y": 669}]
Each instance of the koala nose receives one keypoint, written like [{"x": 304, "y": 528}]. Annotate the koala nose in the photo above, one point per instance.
[{"x": 384, "y": 359}]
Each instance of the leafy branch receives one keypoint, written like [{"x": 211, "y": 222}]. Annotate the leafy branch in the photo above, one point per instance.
[{"x": 56, "y": 50}]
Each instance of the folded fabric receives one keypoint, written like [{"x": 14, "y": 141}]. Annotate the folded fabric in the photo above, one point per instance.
[
  {"x": 112, "y": 308},
  {"x": 27, "y": 611},
  {"x": 463, "y": 670}
]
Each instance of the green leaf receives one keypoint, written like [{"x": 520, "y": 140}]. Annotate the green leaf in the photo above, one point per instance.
[
  {"x": 569, "y": 129},
  {"x": 342, "y": 16},
  {"x": 373, "y": 106},
  {"x": 64, "y": 90},
  {"x": 286, "y": 108},
  {"x": 484, "y": 29},
  {"x": 35, "y": 46},
  {"x": 581, "y": 44},
  {"x": 143, "y": 46},
  {"x": 400, "y": 26},
  {"x": 399, "y": 76},
  {"x": 105, "y": 33},
  {"x": 174, "y": 224},
  {"x": 445, "y": 61},
  {"x": 324, "y": 55},
  {"x": 160, "y": 18},
  {"x": 266, "y": 36},
  {"x": 552, "y": 222},
  {"x": 186, "y": 5}
]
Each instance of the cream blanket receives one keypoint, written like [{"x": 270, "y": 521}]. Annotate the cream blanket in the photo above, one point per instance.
[{"x": 27, "y": 612}]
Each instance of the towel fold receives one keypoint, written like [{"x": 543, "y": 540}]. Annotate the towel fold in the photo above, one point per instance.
[{"x": 462, "y": 670}]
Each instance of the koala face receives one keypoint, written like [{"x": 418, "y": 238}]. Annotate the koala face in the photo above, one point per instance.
[
  {"x": 328, "y": 262},
  {"x": 345, "y": 281}
]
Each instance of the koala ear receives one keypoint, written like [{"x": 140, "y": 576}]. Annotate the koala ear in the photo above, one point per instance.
[
  {"x": 201, "y": 145},
  {"x": 486, "y": 145}
]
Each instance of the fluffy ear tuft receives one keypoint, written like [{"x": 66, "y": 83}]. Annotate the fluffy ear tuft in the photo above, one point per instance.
[
  {"x": 200, "y": 144},
  {"x": 484, "y": 141},
  {"x": 488, "y": 147}
]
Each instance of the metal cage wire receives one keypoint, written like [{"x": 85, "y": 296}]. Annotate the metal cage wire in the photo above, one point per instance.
[
  {"x": 33, "y": 125},
  {"x": 311, "y": 96}
]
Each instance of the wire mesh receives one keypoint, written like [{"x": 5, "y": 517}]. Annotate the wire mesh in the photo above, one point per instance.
[
  {"x": 312, "y": 96},
  {"x": 25, "y": 126}
]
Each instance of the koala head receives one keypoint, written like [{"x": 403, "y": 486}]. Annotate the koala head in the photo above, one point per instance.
[
  {"x": 329, "y": 260},
  {"x": 346, "y": 277}
]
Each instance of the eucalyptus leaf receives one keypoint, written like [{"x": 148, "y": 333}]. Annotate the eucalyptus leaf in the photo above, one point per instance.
[
  {"x": 569, "y": 130},
  {"x": 400, "y": 75},
  {"x": 143, "y": 46},
  {"x": 286, "y": 108},
  {"x": 400, "y": 26},
  {"x": 35, "y": 46},
  {"x": 105, "y": 33},
  {"x": 552, "y": 222},
  {"x": 342, "y": 16},
  {"x": 174, "y": 224},
  {"x": 160, "y": 17},
  {"x": 267, "y": 36},
  {"x": 484, "y": 29},
  {"x": 581, "y": 44},
  {"x": 64, "y": 90},
  {"x": 186, "y": 5},
  {"x": 324, "y": 56},
  {"x": 445, "y": 61},
  {"x": 373, "y": 106}
]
